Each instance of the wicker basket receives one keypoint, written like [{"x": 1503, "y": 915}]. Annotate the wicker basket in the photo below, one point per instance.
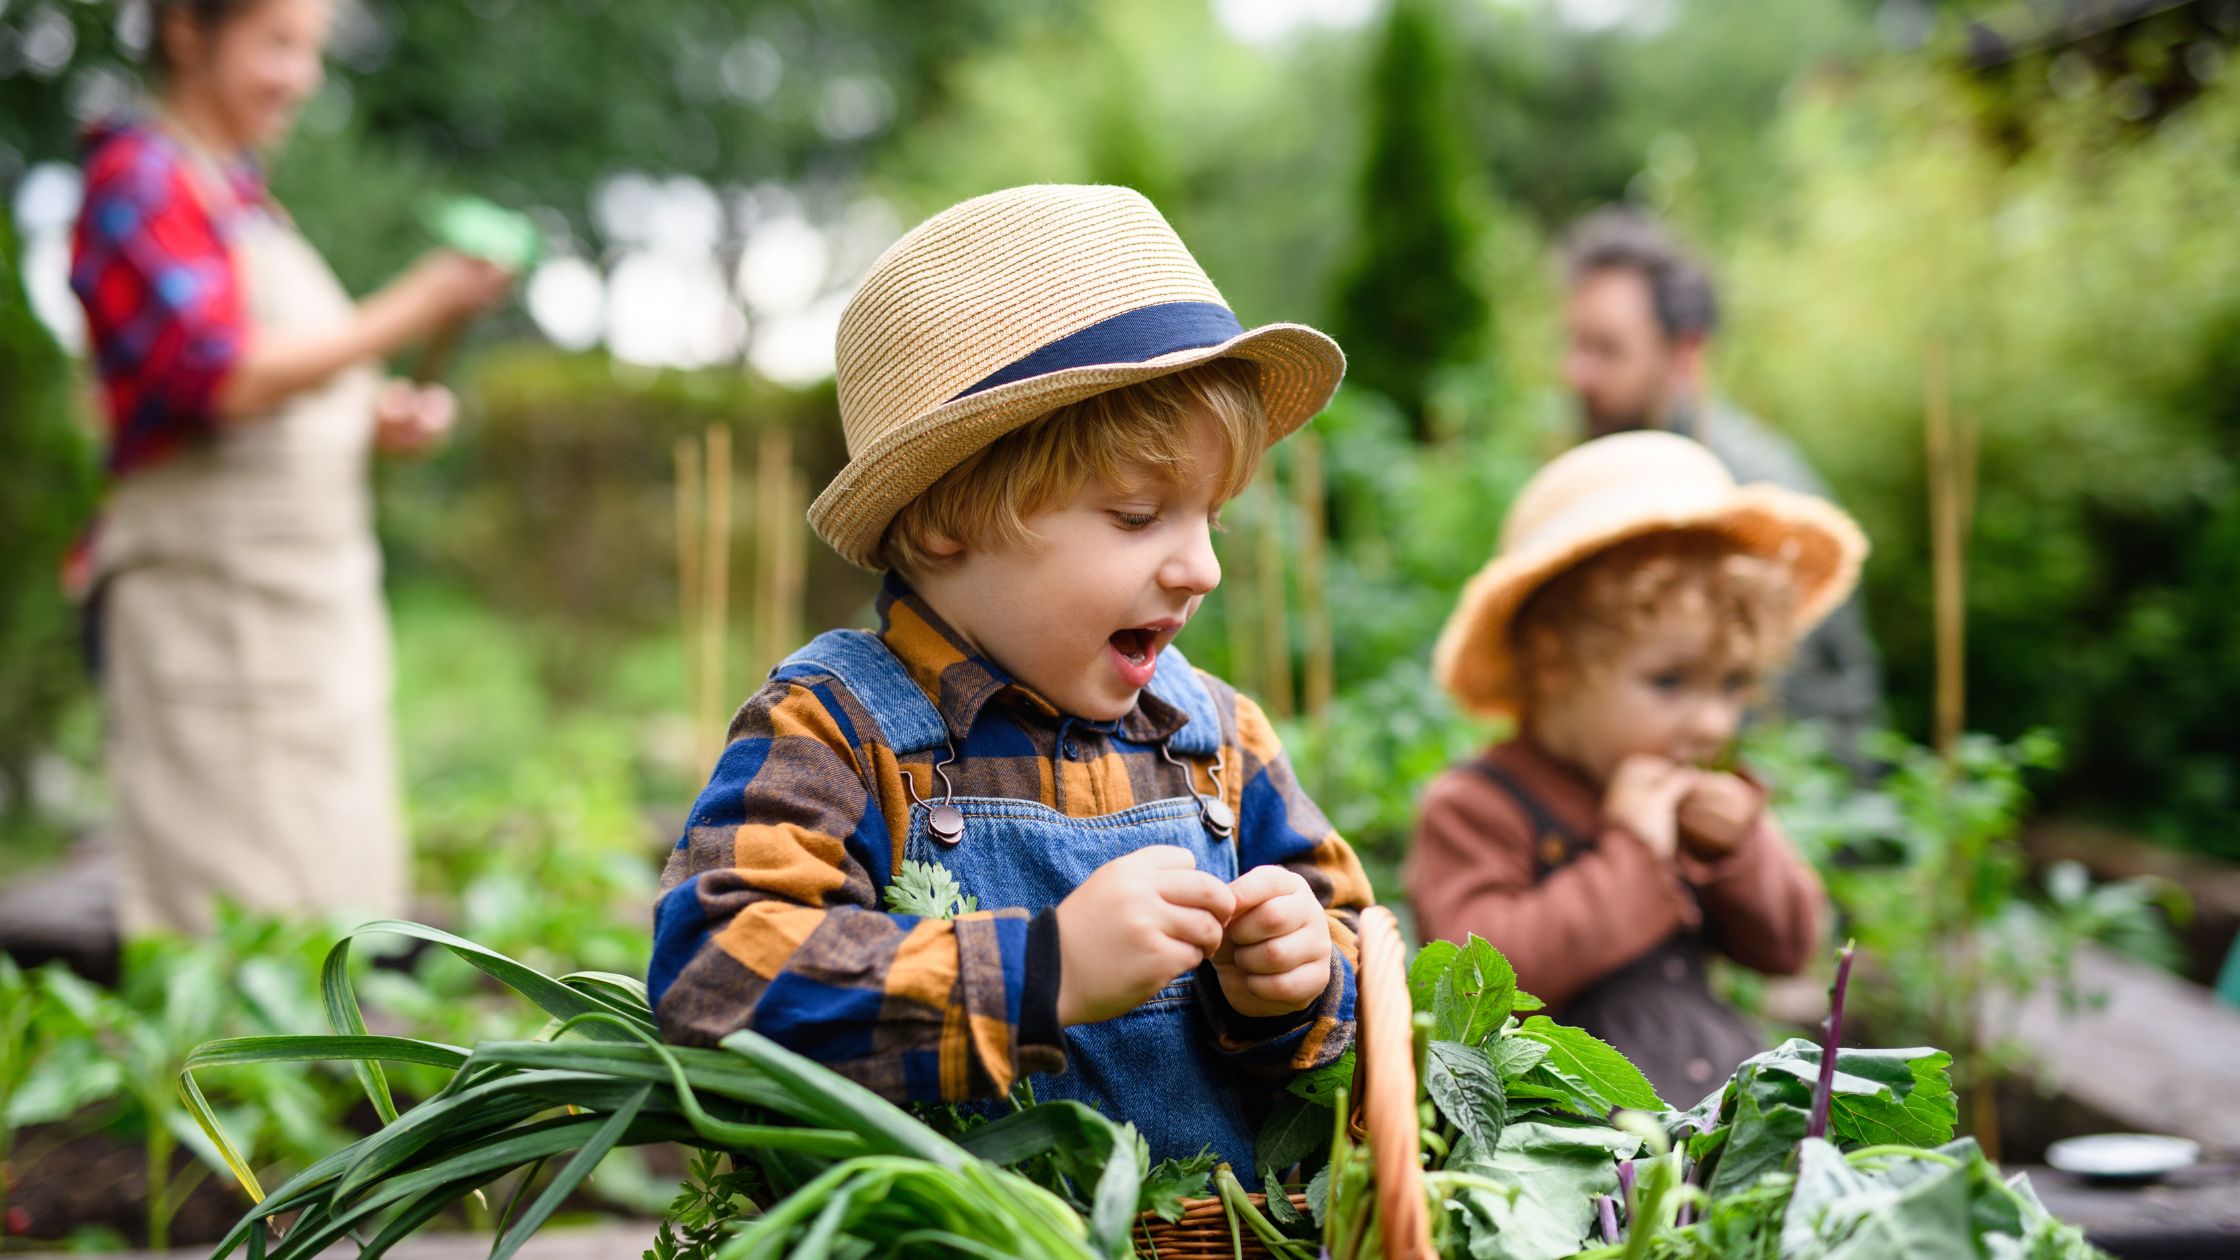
[{"x": 1385, "y": 1115}]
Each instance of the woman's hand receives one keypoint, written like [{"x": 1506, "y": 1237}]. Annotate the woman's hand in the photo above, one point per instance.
[
  {"x": 447, "y": 286},
  {"x": 411, "y": 419},
  {"x": 441, "y": 289}
]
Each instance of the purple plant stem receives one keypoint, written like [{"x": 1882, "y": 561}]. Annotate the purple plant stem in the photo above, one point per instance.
[
  {"x": 1607, "y": 1208},
  {"x": 1824, "y": 1093},
  {"x": 1625, "y": 1184}
]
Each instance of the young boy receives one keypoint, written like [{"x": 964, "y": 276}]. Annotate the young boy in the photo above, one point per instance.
[
  {"x": 1638, "y": 599},
  {"x": 1046, "y": 405}
]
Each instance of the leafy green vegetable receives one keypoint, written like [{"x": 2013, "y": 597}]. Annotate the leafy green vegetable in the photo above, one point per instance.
[
  {"x": 1543, "y": 1179},
  {"x": 1170, "y": 1181},
  {"x": 927, "y": 890},
  {"x": 1465, "y": 1084},
  {"x": 797, "y": 1160},
  {"x": 1325, "y": 1083},
  {"x": 1590, "y": 1066},
  {"x": 1472, "y": 995},
  {"x": 1298, "y": 1130}
]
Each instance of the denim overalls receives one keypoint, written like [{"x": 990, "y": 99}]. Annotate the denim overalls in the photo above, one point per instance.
[{"x": 1155, "y": 1065}]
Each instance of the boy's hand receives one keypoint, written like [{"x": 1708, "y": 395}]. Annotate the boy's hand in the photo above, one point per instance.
[
  {"x": 1644, "y": 798},
  {"x": 1134, "y": 925},
  {"x": 1275, "y": 957},
  {"x": 1717, "y": 813}
]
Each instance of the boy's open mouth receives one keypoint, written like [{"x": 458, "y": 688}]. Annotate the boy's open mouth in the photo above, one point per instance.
[
  {"x": 1135, "y": 650},
  {"x": 1135, "y": 643}
]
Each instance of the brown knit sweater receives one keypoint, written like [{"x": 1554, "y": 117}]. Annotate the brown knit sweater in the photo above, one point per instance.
[{"x": 1472, "y": 870}]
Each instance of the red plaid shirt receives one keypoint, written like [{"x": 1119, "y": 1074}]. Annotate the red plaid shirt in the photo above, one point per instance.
[{"x": 151, "y": 263}]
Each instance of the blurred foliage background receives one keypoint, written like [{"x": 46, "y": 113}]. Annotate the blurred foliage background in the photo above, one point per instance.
[{"x": 2040, "y": 192}]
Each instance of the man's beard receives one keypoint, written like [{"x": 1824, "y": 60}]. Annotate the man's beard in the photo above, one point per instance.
[
  {"x": 1602, "y": 421},
  {"x": 1677, "y": 415}
]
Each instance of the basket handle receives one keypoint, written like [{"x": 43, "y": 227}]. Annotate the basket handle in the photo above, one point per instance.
[{"x": 1387, "y": 1058}]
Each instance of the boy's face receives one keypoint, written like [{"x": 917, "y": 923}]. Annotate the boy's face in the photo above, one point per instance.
[
  {"x": 1669, "y": 693},
  {"x": 1080, "y": 611}
]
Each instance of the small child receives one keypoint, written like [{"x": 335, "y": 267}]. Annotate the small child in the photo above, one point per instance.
[
  {"x": 1638, "y": 599},
  {"x": 1046, "y": 404}
]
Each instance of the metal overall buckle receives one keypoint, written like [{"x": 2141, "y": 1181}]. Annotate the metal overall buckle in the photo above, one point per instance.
[
  {"x": 945, "y": 821},
  {"x": 1212, "y": 810}
]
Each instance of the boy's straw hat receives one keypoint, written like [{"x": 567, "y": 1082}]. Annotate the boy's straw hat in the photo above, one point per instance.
[
  {"x": 1618, "y": 488},
  {"x": 1001, "y": 309}
]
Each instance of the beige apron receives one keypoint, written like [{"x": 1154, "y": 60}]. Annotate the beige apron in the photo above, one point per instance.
[{"x": 247, "y": 671}]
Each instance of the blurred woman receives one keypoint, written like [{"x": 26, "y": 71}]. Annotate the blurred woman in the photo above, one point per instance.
[{"x": 242, "y": 640}]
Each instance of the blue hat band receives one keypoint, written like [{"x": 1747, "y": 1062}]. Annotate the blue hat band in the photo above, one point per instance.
[{"x": 1136, "y": 336}]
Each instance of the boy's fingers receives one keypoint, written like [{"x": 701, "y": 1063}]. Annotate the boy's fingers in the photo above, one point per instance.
[
  {"x": 1262, "y": 884},
  {"x": 1195, "y": 928},
  {"x": 1271, "y": 919},
  {"x": 1196, "y": 890},
  {"x": 1162, "y": 857},
  {"x": 1294, "y": 988},
  {"x": 1283, "y": 953}
]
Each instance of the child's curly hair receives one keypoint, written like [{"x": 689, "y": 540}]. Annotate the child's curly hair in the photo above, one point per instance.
[{"x": 1582, "y": 619}]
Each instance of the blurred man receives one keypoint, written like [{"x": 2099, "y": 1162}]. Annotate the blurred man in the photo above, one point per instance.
[{"x": 1640, "y": 321}]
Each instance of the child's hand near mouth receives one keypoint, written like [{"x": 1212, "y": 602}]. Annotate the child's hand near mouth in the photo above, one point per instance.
[
  {"x": 1717, "y": 813},
  {"x": 1134, "y": 925},
  {"x": 1274, "y": 957},
  {"x": 1644, "y": 798}
]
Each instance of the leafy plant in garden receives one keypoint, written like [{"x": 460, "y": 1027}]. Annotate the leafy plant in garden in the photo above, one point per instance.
[
  {"x": 1526, "y": 1160},
  {"x": 1927, "y": 871},
  {"x": 112, "y": 1059}
]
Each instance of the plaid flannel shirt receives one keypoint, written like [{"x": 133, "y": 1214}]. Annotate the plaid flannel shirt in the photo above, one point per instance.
[
  {"x": 151, "y": 264},
  {"x": 771, "y": 919}
]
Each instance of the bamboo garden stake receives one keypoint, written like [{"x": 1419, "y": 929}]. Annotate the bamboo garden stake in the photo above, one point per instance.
[
  {"x": 688, "y": 496},
  {"x": 778, "y": 570},
  {"x": 1948, "y": 560},
  {"x": 715, "y": 594},
  {"x": 1951, "y": 455},
  {"x": 1314, "y": 596},
  {"x": 1275, "y": 617}
]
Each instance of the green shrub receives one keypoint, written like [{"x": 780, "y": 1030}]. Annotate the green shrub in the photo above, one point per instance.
[
  {"x": 2091, "y": 320},
  {"x": 48, "y": 452}
]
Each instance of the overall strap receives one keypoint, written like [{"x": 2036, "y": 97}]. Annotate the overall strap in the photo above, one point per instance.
[
  {"x": 862, "y": 662},
  {"x": 1545, "y": 825},
  {"x": 1179, "y": 685}
]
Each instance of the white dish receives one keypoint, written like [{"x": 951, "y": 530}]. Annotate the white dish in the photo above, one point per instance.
[{"x": 2123, "y": 1156}]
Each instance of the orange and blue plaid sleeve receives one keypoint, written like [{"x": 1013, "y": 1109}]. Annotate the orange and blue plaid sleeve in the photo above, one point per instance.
[
  {"x": 1278, "y": 824},
  {"x": 770, "y": 918}
]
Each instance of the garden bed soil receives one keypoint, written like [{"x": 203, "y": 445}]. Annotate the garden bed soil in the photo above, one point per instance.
[{"x": 98, "y": 1181}]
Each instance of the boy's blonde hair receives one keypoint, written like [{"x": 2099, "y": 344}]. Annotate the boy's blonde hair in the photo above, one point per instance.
[
  {"x": 1585, "y": 617},
  {"x": 1129, "y": 433}
]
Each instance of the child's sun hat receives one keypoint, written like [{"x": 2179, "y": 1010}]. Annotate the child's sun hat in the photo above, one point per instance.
[
  {"x": 1614, "y": 489},
  {"x": 1000, "y": 310}
]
